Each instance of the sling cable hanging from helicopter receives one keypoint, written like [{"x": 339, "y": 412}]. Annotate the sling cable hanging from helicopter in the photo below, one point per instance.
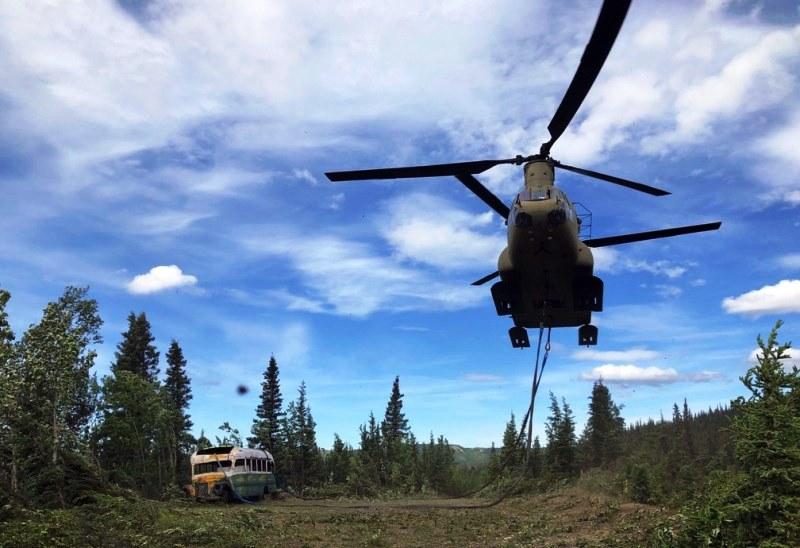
[{"x": 538, "y": 370}]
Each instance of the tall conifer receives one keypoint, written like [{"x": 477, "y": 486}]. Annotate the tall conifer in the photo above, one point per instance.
[
  {"x": 394, "y": 426},
  {"x": 177, "y": 386},
  {"x": 136, "y": 353},
  {"x": 266, "y": 427}
]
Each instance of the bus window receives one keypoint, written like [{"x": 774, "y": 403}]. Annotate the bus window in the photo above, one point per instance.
[
  {"x": 225, "y": 464},
  {"x": 270, "y": 465},
  {"x": 262, "y": 465},
  {"x": 206, "y": 467},
  {"x": 239, "y": 462}
]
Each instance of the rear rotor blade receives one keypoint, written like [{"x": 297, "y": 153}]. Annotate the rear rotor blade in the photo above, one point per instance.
[
  {"x": 651, "y": 235},
  {"x": 609, "y": 22},
  {"x": 616, "y": 180},
  {"x": 486, "y": 278},
  {"x": 484, "y": 194},
  {"x": 435, "y": 170}
]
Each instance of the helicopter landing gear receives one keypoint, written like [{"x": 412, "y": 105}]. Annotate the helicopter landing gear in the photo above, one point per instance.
[
  {"x": 506, "y": 299},
  {"x": 519, "y": 337},
  {"x": 587, "y": 335}
]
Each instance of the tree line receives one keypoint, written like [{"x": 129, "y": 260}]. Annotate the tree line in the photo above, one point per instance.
[{"x": 65, "y": 434}]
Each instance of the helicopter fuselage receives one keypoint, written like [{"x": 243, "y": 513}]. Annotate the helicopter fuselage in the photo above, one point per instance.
[{"x": 546, "y": 271}]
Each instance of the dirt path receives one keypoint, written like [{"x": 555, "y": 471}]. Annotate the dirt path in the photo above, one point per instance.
[{"x": 566, "y": 518}]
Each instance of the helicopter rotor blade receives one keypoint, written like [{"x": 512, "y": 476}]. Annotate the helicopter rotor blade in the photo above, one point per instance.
[
  {"x": 434, "y": 170},
  {"x": 486, "y": 278},
  {"x": 616, "y": 180},
  {"x": 651, "y": 235},
  {"x": 606, "y": 29},
  {"x": 484, "y": 194}
]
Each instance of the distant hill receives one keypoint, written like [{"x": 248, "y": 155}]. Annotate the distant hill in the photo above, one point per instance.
[{"x": 471, "y": 456}]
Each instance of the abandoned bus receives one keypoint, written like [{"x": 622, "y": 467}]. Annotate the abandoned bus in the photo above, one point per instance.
[{"x": 227, "y": 473}]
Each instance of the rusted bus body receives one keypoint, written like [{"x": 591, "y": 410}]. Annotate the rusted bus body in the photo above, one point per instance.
[{"x": 229, "y": 472}]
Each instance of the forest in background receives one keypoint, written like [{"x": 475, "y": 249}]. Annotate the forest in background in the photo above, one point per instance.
[{"x": 67, "y": 437}]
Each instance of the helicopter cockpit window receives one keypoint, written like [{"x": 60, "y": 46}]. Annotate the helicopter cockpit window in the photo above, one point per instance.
[{"x": 535, "y": 195}]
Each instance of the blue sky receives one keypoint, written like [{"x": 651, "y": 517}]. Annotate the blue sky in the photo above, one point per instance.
[{"x": 171, "y": 156}]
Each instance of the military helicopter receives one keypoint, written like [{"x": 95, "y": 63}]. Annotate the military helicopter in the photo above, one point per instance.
[{"x": 546, "y": 270}]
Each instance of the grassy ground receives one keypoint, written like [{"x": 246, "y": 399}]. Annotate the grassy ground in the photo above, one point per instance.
[{"x": 569, "y": 517}]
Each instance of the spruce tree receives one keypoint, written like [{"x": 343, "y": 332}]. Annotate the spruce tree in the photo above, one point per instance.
[
  {"x": 178, "y": 385},
  {"x": 178, "y": 388},
  {"x": 604, "y": 427},
  {"x": 338, "y": 462},
  {"x": 394, "y": 426},
  {"x": 759, "y": 505},
  {"x": 266, "y": 428},
  {"x": 136, "y": 353},
  {"x": 512, "y": 452},
  {"x": 304, "y": 452},
  {"x": 371, "y": 452},
  {"x": 561, "y": 443}
]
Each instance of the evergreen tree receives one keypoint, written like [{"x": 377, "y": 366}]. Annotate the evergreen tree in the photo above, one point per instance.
[
  {"x": 561, "y": 443},
  {"x": 179, "y": 390},
  {"x": 303, "y": 450},
  {"x": 512, "y": 452},
  {"x": 371, "y": 452},
  {"x": 760, "y": 505},
  {"x": 202, "y": 442},
  {"x": 178, "y": 385},
  {"x": 136, "y": 437},
  {"x": 266, "y": 427},
  {"x": 338, "y": 461},
  {"x": 535, "y": 463},
  {"x": 136, "y": 353},
  {"x": 394, "y": 426},
  {"x": 230, "y": 435},
  {"x": 604, "y": 427}
]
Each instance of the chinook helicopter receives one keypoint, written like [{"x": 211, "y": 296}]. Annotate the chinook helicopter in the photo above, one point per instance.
[{"x": 546, "y": 270}]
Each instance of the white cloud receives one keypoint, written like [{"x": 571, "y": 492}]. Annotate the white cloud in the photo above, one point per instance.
[
  {"x": 668, "y": 291},
  {"x": 631, "y": 374},
  {"x": 160, "y": 278},
  {"x": 605, "y": 259},
  {"x": 483, "y": 378},
  {"x": 781, "y": 168},
  {"x": 791, "y": 261},
  {"x": 166, "y": 221},
  {"x": 755, "y": 78},
  {"x": 304, "y": 175},
  {"x": 698, "y": 282},
  {"x": 613, "y": 261},
  {"x": 704, "y": 376},
  {"x": 631, "y": 355},
  {"x": 424, "y": 228},
  {"x": 783, "y": 297},
  {"x": 349, "y": 278}
]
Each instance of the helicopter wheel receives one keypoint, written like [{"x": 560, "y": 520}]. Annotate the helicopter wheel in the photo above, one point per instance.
[
  {"x": 587, "y": 335},
  {"x": 519, "y": 337}
]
